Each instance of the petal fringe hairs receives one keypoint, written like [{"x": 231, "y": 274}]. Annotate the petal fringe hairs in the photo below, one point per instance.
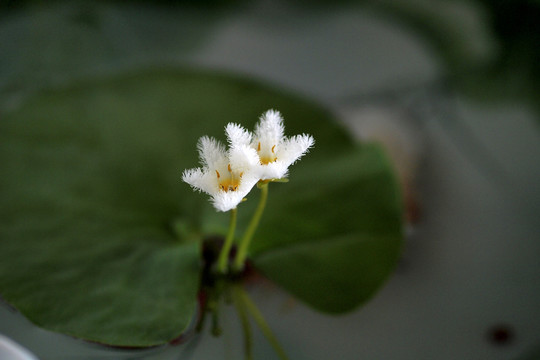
[{"x": 228, "y": 175}]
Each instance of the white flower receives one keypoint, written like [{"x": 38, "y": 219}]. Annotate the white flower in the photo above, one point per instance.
[
  {"x": 276, "y": 152},
  {"x": 226, "y": 175}
]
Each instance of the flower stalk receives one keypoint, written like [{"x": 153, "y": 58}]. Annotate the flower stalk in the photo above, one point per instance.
[
  {"x": 250, "y": 231},
  {"x": 223, "y": 259}
]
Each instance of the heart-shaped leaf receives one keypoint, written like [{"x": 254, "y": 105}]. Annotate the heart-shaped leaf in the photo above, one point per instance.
[{"x": 101, "y": 240}]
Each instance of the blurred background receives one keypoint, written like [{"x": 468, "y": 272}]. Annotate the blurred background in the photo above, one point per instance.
[{"x": 450, "y": 88}]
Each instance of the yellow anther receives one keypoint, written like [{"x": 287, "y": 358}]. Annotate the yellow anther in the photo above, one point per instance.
[
  {"x": 217, "y": 173},
  {"x": 273, "y": 147},
  {"x": 259, "y": 147},
  {"x": 242, "y": 173},
  {"x": 229, "y": 167},
  {"x": 229, "y": 184}
]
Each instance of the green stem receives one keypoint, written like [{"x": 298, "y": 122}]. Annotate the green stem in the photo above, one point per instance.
[
  {"x": 224, "y": 254},
  {"x": 261, "y": 322},
  {"x": 250, "y": 231},
  {"x": 248, "y": 339}
]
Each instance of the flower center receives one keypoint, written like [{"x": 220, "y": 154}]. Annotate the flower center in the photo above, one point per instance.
[
  {"x": 267, "y": 157},
  {"x": 229, "y": 181}
]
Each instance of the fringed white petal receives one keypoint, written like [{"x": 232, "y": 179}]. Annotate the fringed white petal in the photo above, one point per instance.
[
  {"x": 270, "y": 129},
  {"x": 243, "y": 158},
  {"x": 237, "y": 135},
  {"x": 225, "y": 201},
  {"x": 249, "y": 179},
  {"x": 200, "y": 180},
  {"x": 276, "y": 170},
  {"x": 294, "y": 148},
  {"x": 193, "y": 177},
  {"x": 211, "y": 152}
]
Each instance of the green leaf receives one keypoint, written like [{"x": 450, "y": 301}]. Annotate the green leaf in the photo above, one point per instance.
[
  {"x": 100, "y": 239},
  {"x": 333, "y": 235},
  {"x": 91, "y": 203}
]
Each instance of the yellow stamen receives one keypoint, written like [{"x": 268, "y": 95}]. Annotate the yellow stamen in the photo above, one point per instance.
[
  {"x": 267, "y": 158},
  {"x": 229, "y": 182},
  {"x": 229, "y": 185}
]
